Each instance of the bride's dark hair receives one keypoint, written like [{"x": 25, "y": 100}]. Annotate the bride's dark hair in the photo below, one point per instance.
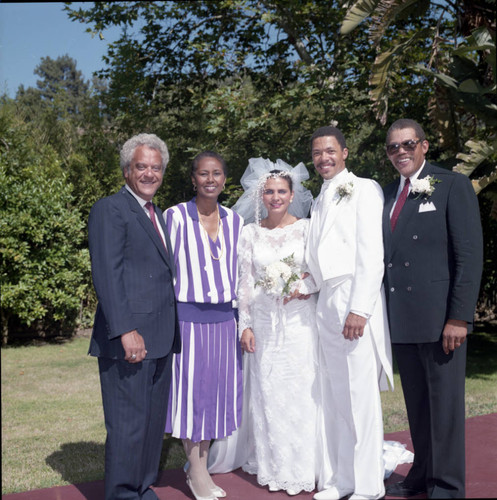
[{"x": 281, "y": 173}]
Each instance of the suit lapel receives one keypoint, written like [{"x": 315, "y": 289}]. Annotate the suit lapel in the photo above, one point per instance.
[
  {"x": 169, "y": 252},
  {"x": 147, "y": 225},
  {"x": 390, "y": 193},
  {"x": 332, "y": 206},
  {"x": 410, "y": 208}
]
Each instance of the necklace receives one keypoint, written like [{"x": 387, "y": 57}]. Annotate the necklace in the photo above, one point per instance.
[{"x": 205, "y": 234}]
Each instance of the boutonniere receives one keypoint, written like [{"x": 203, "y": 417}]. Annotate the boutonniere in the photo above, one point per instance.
[
  {"x": 424, "y": 187},
  {"x": 344, "y": 191}
]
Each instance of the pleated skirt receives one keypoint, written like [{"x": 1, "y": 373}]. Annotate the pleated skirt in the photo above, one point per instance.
[{"x": 205, "y": 399}]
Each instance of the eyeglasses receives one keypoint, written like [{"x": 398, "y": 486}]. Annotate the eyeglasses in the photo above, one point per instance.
[{"x": 409, "y": 145}]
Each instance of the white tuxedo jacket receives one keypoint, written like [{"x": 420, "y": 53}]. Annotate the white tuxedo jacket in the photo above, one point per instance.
[{"x": 350, "y": 246}]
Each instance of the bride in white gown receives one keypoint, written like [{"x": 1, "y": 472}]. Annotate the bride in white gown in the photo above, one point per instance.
[
  {"x": 280, "y": 337},
  {"x": 281, "y": 436},
  {"x": 278, "y": 332}
]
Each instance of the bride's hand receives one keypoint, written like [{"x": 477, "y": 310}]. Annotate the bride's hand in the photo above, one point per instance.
[
  {"x": 295, "y": 295},
  {"x": 291, "y": 296},
  {"x": 248, "y": 340}
]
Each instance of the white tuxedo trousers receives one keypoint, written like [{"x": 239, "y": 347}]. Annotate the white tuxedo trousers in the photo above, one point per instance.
[{"x": 353, "y": 440}]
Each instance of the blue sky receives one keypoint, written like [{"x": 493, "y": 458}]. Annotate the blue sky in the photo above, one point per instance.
[{"x": 30, "y": 31}]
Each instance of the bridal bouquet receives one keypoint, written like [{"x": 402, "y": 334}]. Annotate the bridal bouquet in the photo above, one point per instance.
[{"x": 279, "y": 276}]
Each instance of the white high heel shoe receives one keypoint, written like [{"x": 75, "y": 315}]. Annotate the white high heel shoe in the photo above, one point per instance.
[
  {"x": 216, "y": 491},
  {"x": 194, "y": 493}
]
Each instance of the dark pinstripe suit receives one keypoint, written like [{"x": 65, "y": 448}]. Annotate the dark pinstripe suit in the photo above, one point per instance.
[{"x": 133, "y": 278}]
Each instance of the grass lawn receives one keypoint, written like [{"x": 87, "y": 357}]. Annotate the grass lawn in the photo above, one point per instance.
[
  {"x": 52, "y": 420},
  {"x": 481, "y": 384}
]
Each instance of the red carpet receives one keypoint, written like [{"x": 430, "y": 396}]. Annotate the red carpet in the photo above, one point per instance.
[{"x": 481, "y": 474}]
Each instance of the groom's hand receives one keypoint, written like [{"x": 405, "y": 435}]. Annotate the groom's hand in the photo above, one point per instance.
[{"x": 354, "y": 326}]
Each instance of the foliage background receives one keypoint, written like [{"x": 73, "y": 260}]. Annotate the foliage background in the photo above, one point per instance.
[{"x": 247, "y": 78}]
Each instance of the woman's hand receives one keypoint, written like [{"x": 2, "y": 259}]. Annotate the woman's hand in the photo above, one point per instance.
[
  {"x": 248, "y": 340},
  {"x": 295, "y": 295}
]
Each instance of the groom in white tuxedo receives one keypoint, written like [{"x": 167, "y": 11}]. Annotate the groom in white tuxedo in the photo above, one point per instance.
[{"x": 345, "y": 256}]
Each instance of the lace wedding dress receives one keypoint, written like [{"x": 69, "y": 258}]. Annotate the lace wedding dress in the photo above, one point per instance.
[{"x": 281, "y": 392}]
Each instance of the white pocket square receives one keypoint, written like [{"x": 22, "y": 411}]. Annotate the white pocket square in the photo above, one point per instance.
[{"x": 427, "y": 207}]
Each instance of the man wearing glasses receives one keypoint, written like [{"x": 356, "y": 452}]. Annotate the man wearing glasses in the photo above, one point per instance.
[{"x": 433, "y": 263}]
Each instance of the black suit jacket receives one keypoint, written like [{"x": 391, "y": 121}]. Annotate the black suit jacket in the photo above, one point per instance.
[
  {"x": 433, "y": 259},
  {"x": 133, "y": 278}
]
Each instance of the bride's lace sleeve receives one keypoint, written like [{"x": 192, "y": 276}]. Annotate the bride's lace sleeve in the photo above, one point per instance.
[{"x": 246, "y": 280}]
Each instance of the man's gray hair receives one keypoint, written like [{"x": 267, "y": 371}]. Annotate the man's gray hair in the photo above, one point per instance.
[{"x": 149, "y": 140}]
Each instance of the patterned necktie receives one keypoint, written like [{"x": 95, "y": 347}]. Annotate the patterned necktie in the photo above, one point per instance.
[
  {"x": 400, "y": 203},
  {"x": 150, "y": 207}
]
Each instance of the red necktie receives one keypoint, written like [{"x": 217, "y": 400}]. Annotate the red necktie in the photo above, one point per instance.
[
  {"x": 400, "y": 203},
  {"x": 150, "y": 207}
]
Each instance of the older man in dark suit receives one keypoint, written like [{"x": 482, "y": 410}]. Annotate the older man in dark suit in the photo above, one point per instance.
[
  {"x": 135, "y": 329},
  {"x": 433, "y": 264}
]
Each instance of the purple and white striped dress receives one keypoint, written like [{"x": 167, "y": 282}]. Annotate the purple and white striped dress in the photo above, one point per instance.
[{"x": 205, "y": 400}]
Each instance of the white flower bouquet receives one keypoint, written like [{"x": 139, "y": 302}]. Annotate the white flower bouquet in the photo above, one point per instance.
[
  {"x": 423, "y": 187},
  {"x": 279, "y": 276}
]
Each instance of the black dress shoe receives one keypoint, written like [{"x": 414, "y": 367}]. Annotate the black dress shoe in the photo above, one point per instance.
[{"x": 401, "y": 490}]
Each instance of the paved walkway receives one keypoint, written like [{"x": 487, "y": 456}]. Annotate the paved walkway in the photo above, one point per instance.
[{"x": 481, "y": 474}]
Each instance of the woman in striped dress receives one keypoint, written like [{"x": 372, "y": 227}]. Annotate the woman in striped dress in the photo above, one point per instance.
[{"x": 205, "y": 401}]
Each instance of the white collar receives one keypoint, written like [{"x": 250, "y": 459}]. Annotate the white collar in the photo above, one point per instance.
[
  {"x": 412, "y": 177},
  {"x": 336, "y": 180}
]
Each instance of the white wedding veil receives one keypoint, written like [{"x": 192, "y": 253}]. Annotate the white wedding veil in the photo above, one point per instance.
[{"x": 250, "y": 205}]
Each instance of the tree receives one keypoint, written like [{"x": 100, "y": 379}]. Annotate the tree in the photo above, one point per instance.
[
  {"x": 255, "y": 77},
  {"x": 61, "y": 87},
  {"x": 245, "y": 77},
  {"x": 66, "y": 113},
  {"x": 461, "y": 59},
  {"x": 70, "y": 135},
  {"x": 44, "y": 271}
]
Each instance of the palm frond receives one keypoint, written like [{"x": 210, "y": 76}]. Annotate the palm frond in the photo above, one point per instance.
[
  {"x": 383, "y": 69},
  {"x": 480, "y": 151},
  {"x": 385, "y": 13},
  {"x": 357, "y": 13}
]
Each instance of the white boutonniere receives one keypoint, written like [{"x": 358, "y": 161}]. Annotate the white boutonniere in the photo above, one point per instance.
[
  {"x": 344, "y": 191},
  {"x": 424, "y": 187}
]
